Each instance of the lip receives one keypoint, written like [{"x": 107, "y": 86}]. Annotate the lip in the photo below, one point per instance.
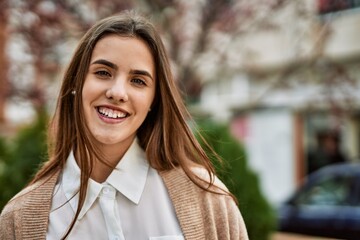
[
  {"x": 111, "y": 120},
  {"x": 113, "y": 108}
]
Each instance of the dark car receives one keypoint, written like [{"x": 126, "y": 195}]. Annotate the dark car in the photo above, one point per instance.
[{"x": 327, "y": 205}]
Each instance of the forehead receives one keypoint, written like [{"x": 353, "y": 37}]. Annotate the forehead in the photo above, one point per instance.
[
  {"x": 113, "y": 42},
  {"x": 124, "y": 51}
]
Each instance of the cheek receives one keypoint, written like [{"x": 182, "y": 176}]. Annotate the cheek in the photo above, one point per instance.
[
  {"x": 86, "y": 91},
  {"x": 144, "y": 100},
  {"x": 150, "y": 98},
  {"x": 87, "y": 97},
  {"x": 90, "y": 90},
  {"x": 148, "y": 104}
]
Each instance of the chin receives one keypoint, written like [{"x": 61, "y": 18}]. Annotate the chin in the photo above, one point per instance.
[
  {"x": 108, "y": 140},
  {"x": 113, "y": 140}
]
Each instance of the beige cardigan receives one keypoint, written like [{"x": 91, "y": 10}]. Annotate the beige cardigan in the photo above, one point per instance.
[{"x": 202, "y": 215}]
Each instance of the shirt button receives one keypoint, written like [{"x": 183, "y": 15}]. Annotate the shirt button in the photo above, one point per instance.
[
  {"x": 106, "y": 190},
  {"x": 116, "y": 238}
]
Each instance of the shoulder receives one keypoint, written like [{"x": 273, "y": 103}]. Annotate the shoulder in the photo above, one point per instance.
[
  {"x": 220, "y": 215},
  {"x": 10, "y": 218},
  {"x": 29, "y": 193},
  {"x": 18, "y": 200},
  {"x": 213, "y": 197},
  {"x": 205, "y": 179},
  {"x": 27, "y": 209}
]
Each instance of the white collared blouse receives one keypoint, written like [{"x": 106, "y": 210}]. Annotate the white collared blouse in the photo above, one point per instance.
[{"x": 132, "y": 204}]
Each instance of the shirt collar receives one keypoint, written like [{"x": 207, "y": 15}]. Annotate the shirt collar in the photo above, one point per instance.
[{"x": 129, "y": 178}]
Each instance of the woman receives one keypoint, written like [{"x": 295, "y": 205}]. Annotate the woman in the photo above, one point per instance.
[{"x": 123, "y": 163}]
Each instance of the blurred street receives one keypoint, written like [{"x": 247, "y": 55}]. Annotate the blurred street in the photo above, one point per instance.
[{"x": 288, "y": 236}]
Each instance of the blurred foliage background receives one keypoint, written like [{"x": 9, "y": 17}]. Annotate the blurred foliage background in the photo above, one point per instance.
[{"x": 21, "y": 156}]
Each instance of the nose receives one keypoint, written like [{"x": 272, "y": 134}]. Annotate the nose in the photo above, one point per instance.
[{"x": 118, "y": 91}]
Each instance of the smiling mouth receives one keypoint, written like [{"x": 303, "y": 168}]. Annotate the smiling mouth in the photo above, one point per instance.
[{"x": 111, "y": 113}]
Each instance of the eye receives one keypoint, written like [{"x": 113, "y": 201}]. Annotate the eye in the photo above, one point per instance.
[
  {"x": 138, "y": 81},
  {"x": 103, "y": 73}
]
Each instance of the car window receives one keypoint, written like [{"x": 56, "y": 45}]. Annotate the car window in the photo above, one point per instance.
[{"x": 329, "y": 191}]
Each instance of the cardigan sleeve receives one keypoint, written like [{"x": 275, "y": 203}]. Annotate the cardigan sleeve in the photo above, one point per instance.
[
  {"x": 220, "y": 210},
  {"x": 222, "y": 217},
  {"x": 210, "y": 215},
  {"x": 25, "y": 216},
  {"x": 7, "y": 226}
]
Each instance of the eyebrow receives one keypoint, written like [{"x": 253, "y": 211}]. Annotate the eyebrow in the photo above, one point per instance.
[
  {"x": 141, "y": 72},
  {"x": 115, "y": 67},
  {"x": 106, "y": 63}
]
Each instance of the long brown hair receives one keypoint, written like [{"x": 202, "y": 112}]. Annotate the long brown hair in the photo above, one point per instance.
[{"x": 164, "y": 135}]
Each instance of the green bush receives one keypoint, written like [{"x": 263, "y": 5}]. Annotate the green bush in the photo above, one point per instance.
[
  {"x": 20, "y": 158},
  {"x": 242, "y": 182},
  {"x": 4, "y": 152}
]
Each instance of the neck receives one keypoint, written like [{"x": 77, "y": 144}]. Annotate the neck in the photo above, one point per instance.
[
  {"x": 101, "y": 172},
  {"x": 112, "y": 155}
]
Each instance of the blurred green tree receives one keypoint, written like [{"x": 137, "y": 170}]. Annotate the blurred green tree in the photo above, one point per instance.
[
  {"x": 258, "y": 215},
  {"x": 20, "y": 158}
]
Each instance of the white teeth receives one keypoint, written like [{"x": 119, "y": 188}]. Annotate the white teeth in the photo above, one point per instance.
[{"x": 111, "y": 113}]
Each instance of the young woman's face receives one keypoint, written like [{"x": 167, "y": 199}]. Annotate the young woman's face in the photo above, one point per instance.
[{"x": 119, "y": 89}]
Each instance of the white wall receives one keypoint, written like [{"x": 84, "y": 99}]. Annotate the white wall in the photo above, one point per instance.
[
  {"x": 270, "y": 149},
  {"x": 219, "y": 97}
]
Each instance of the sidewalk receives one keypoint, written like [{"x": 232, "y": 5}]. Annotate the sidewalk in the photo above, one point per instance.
[{"x": 288, "y": 236}]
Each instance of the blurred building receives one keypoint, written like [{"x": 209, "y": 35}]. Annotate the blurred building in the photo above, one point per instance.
[{"x": 297, "y": 79}]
